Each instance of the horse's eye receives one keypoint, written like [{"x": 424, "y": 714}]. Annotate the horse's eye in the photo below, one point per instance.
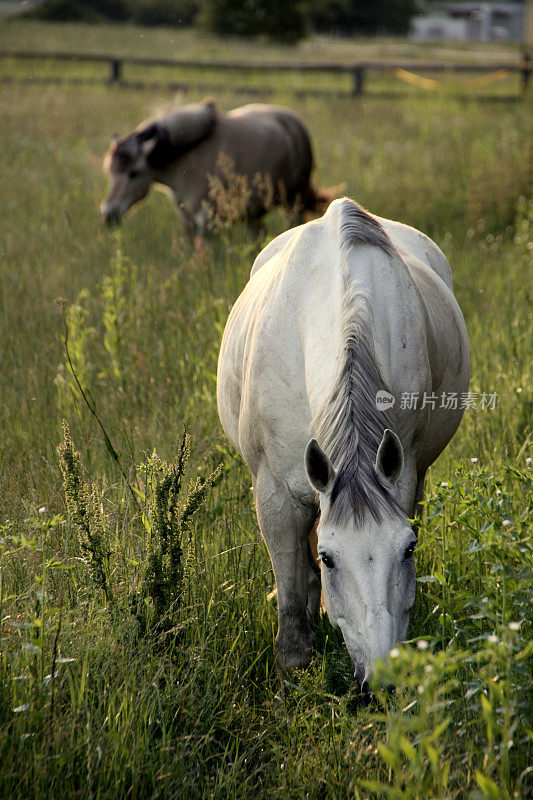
[
  {"x": 327, "y": 561},
  {"x": 133, "y": 173},
  {"x": 409, "y": 550}
]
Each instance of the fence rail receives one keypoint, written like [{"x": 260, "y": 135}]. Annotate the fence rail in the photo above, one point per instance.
[{"x": 358, "y": 71}]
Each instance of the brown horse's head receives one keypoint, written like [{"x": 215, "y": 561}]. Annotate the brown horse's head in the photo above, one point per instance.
[
  {"x": 136, "y": 161},
  {"x": 130, "y": 174}
]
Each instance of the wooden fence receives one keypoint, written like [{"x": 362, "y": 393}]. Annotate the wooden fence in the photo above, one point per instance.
[{"x": 409, "y": 71}]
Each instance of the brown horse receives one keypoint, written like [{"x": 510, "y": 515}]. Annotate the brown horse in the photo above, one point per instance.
[{"x": 260, "y": 154}]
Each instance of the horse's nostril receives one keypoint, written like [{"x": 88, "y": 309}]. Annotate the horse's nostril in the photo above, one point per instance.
[
  {"x": 366, "y": 694},
  {"x": 364, "y": 686},
  {"x": 112, "y": 219},
  {"x": 360, "y": 673}
]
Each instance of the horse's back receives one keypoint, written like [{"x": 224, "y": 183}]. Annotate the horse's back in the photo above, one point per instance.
[
  {"x": 408, "y": 241},
  {"x": 261, "y": 383},
  {"x": 271, "y": 141},
  {"x": 282, "y": 347},
  {"x": 411, "y": 241}
]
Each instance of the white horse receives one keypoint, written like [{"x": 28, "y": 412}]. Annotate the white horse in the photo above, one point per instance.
[{"x": 343, "y": 319}]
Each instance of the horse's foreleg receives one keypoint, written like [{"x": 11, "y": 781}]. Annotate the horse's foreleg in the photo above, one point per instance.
[{"x": 285, "y": 524}]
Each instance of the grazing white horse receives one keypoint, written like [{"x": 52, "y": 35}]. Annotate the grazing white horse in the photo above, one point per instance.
[{"x": 340, "y": 314}]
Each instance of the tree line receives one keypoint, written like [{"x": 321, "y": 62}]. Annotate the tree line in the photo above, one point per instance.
[{"x": 277, "y": 19}]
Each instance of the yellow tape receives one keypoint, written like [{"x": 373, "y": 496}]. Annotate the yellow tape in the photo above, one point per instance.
[
  {"x": 486, "y": 80},
  {"x": 431, "y": 83},
  {"x": 415, "y": 80}
]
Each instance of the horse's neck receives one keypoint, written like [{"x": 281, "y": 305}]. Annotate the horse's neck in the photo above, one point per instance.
[{"x": 383, "y": 282}]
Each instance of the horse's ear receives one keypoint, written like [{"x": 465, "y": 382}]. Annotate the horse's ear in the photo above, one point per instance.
[
  {"x": 389, "y": 458},
  {"x": 148, "y": 137},
  {"x": 148, "y": 133},
  {"x": 131, "y": 148},
  {"x": 318, "y": 467}
]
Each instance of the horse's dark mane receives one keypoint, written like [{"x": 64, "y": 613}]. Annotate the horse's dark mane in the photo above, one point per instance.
[
  {"x": 174, "y": 135},
  {"x": 357, "y": 226},
  {"x": 349, "y": 426},
  {"x": 182, "y": 131}
]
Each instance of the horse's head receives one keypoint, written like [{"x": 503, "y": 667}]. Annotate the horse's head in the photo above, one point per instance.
[
  {"x": 367, "y": 564},
  {"x": 126, "y": 163},
  {"x": 135, "y": 161}
]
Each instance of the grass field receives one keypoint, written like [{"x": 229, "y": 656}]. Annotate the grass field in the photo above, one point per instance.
[{"x": 124, "y": 674}]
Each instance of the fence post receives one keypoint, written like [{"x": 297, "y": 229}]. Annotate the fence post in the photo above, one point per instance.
[
  {"x": 357, "y": 81},
  {"x": 116, "y": 69},
  {"x": 526, "y": 67}
]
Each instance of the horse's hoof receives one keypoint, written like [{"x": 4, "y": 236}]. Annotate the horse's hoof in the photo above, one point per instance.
[
  {"x": 292, "y": 655},
  {"x": 287, "y": 661}
]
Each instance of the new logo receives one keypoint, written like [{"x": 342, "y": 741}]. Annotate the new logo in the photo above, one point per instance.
[{"x": 384, "y": 399}]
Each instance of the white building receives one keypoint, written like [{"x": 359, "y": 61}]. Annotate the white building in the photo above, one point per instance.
[{"x": 470, "y": 21}]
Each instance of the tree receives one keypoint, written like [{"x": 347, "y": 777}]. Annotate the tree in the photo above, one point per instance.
[
  {"x": 163, "y": 12},
  {"x": 143, "y": 12},
  {"x": 86, "y": 10},
  {"x": 361, "y": 17},
  {"x": 277, "y": 19}
]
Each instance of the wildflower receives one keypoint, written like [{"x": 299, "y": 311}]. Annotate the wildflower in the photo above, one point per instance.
[
  {"x": 514, "y": 626},
  {"x": 473, "y": 460},
  {"x": 42, "y": 510},
  {"x": 422, "y": 644},
  {"x": 493, "y": 639},
  {"x": 445, "y": 484},
  {"x": 506, "y": 522},
  {"x": 428, "y": 668},
  {"x": 528, "y": 460},
  {"x": 394, "y": 653}
]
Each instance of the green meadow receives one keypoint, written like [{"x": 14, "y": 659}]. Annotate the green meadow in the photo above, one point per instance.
[{"x": 136, "y": 617}]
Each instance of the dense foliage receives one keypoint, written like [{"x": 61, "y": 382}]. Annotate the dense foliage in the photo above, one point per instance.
[
  {"x": 277, "y": 19},
  {"x": 274, "y": 18},
  {"x": 142, "y": 12},
  {"x": 357, "y": 17},
  {"x": 86, "y": 10}
]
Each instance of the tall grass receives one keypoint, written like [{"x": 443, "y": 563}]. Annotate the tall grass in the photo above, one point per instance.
[{"x": 94, "y": 701}]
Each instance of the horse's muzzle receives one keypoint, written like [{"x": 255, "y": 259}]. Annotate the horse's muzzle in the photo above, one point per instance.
[{"x": 111, "y": 219}]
